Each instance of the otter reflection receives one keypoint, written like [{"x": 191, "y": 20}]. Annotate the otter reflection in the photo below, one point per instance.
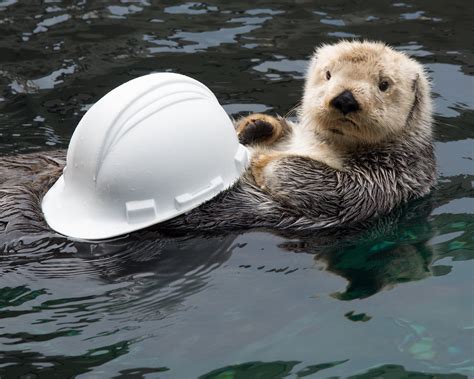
[{"x": 379, "y": 255}]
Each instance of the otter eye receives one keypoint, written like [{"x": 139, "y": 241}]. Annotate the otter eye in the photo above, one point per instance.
[
  {"x": 383, "y": 85},
  {"x": 328, "y": 75}
]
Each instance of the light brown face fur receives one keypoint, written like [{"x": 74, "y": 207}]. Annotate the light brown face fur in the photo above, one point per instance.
[{"x": 361, "y": 67}]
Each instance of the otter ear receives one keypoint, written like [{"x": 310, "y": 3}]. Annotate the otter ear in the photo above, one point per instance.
[
  {"x": 414, "y": 85},
  {"x": 416, "y": 99},
  {"x": 416, "y": 89}
]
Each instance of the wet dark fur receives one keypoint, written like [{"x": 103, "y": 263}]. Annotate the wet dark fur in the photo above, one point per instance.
[{"x": 24, "y": 179}]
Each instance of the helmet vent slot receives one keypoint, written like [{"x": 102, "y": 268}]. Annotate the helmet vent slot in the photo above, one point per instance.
[{"x": 140, "y": 211}]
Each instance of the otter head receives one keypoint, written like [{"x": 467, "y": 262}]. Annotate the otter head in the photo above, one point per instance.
[{"x": 365, "y": 93}]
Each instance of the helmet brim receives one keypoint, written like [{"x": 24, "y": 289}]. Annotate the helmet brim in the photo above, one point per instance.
[{"x": 75, "y": 218}]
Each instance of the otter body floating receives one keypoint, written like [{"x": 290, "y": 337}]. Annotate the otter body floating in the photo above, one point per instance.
[{"x": 149, "y": 150}]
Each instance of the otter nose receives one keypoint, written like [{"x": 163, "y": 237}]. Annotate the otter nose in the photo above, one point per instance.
[{"x": 345, "y": 102}]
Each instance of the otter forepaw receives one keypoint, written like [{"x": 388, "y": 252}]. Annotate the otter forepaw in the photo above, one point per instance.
[{"x": 258, "y": 128}]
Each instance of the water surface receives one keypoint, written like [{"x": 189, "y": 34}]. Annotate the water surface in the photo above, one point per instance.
[{"x": 391, "y": 301}]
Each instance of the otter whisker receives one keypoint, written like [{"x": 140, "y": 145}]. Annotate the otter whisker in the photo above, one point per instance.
[{"x": 293, "y": 109}]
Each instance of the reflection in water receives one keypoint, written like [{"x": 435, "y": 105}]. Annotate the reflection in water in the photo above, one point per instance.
[
  {"x": 192, "y": 42},
  {"x": 46, "y": 82},
  {"x": 399, "y": 248}
]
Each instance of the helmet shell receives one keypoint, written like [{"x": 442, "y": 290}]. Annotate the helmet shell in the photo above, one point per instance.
[{"x": 149, "y": 150}]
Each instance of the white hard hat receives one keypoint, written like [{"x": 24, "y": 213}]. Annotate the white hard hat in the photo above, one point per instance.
[{"x": 151, "y": 149}]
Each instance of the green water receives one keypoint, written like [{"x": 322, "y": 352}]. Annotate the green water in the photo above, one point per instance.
[{"x": 393, "y": 301}]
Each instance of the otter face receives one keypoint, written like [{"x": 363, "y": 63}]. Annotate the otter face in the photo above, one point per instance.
[{"x": 364, "y": 92}]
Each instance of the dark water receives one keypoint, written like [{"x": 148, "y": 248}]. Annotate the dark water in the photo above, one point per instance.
[{"x": 393, "y": 301}]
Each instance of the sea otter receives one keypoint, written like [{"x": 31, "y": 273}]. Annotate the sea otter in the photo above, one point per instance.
[{"x": 362, "y": 145}]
